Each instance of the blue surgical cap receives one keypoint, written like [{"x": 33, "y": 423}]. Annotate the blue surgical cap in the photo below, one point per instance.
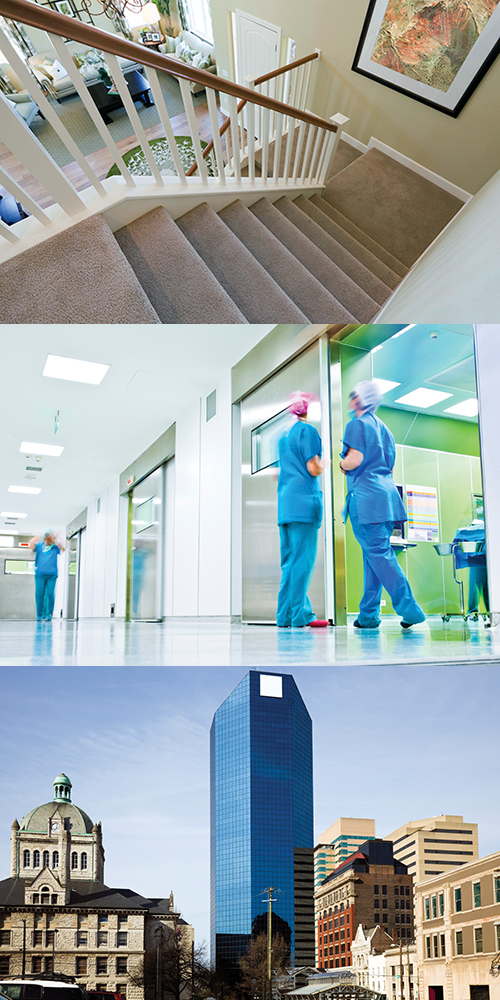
[{"x": 368, "y": 394}]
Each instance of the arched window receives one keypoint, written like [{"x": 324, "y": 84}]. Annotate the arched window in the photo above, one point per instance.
[
  {"x": 83, "y": 861},
  {"x": 55, "y": 859},
  {"x": 74, "y": 860},
  {"x": 36, "y": 859},
  {"x": 44, "y": 895},
  {"x": 46, "y": 859},
  {"x": 26, "y": 859}
]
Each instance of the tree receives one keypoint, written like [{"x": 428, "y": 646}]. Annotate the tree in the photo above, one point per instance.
[
  {"x": 253, "y": 982},
  {"x": 173, "y": 969}
]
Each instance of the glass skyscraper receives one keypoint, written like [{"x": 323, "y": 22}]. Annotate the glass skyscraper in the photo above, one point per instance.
[{"x": 261, "y": 818}]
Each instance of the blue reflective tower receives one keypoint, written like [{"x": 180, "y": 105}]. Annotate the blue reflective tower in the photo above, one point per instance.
[{"x": 261, "y": 818}]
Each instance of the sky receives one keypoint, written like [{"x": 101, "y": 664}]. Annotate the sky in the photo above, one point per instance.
[{"x": 390, "y": 743}]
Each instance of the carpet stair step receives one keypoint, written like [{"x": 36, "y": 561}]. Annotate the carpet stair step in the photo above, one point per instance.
[
  {"x": 331, "y": 276},
  {"x": 306, "y": 291},
  {"x": 314, "y": 207},
  {"x": 176, "y": 280},
  {"x": 78, "y": 276},
  {"x": 257, "y": 295},
  {"x": 395, "y": 206},
  {"x": 360, "y": 236},
  {"x": 334, "y": 250},
  {"x": 345, "y": 155}
]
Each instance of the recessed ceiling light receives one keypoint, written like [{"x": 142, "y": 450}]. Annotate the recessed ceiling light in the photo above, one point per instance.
[
  {"x": 24, "y": 489},
  {"x": 422, "y": 398},
  {"x": 8, "y": 513},
  {"x": 41, "y": 449},
  {"x": 466, "y": 409},
  {"x": 384, "y": 385},
  {"x": 74, "y": 370}
]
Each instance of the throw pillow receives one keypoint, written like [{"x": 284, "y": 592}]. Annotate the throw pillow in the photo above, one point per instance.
[
  {"x": 204, "y": 62},
  {"x": 58, "y": 71},
  {"x": 45, "y": 68},
  {"x": 170, "y": 44}
]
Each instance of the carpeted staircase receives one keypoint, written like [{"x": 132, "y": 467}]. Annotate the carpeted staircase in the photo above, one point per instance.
[{"x": 328, "y": 259}]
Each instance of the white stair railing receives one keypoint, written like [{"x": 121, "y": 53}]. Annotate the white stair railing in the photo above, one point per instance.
[{"x": 271, "y": 125}]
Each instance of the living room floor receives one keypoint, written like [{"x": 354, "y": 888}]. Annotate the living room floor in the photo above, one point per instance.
[{"x": 102, "y": 160}]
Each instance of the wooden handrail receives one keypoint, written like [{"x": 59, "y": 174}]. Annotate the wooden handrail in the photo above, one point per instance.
[
  {"x": 28, "y": 12},
  {"x": 260, "y": 79},
  {"x": 286, "y": 69}
]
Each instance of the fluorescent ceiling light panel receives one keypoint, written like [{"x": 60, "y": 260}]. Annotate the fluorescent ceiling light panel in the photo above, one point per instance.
[
  {"x": 6, "y": 542},
  {"x": 8, "y": 513},
  {"x": 8, "y": 531},
  {"x": 400, "y": 332},
  {"x": 466, "y": 409},
  {"x": 422, "y": 398},
  {"x": 73, "y": 370},
  {"x": 24, "y": 489},
  {"x": 53, "y": 450},
  {"x": 385, "y": 385}
]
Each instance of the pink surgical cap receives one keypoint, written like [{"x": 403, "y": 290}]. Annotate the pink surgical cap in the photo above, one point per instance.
[{"x": 299, "y": 402}]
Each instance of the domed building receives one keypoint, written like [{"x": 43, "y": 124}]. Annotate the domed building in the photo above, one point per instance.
[{"x": 57, "y": 916}]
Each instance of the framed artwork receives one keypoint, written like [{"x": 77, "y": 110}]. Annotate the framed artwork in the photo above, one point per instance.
[
  {"x": 65, "y": 7},
  {"x": 155, "y": 36},
  {"x": 435, "y": 51}
]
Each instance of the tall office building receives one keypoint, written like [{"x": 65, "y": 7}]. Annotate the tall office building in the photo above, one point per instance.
[
  {"x": 261, "y": 818},
  {"x": 434, "y": 846},
  {"x": 338, "y": 842}
]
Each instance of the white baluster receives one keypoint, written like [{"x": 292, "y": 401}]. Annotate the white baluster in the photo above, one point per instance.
[
  {"x": 165, "y": 121},
  {"x": 214, "y": 122},
  {"x": 18, "y": 138},
  {"x": 289, "y": 148},
  {"x": 298, "y": 151},
  {"x": 315, "y": 156},
  {"x": 234, "y": 129},
  {"x": 249, "y": 82},
  {"x": 193, "y": 126},
  {"x": 277, "y": 147},
  {"x": 310, "y": 136},
  {"x": 251, "y": 141},
  {"x": 128, "y": 104},
  {"x": 265, "y": 144},
  {"x": 8, "y": 234},
  {"x": 26, "y": 200}
]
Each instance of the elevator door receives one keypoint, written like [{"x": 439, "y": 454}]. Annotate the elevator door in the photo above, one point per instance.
[
  {"x": 263, "y": 418},
  {"x": 73, "y": 575}
]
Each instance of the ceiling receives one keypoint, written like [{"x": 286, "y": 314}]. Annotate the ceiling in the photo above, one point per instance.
[
  {"x": 156, "y": 373},
  {"x": 443, "y": 361}
]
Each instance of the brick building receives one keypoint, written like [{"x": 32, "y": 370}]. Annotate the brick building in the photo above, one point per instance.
[
  {"x": 369, "y": 888},
  {"x": 57, "y": 914},
  {"x": 458, "y": 932}
]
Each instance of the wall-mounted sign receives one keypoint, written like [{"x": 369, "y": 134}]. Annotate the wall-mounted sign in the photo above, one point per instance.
[
  {"x": 130, "y": 481},
  {"x": 422, "y": 508}
]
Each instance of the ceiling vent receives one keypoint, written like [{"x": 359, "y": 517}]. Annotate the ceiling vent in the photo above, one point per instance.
[{"x": 33, "y": 468}]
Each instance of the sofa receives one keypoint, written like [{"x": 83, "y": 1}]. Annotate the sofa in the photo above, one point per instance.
[
  {"x": 190, "y": 49},
  {"x": 24, "y": 106},
  {"x": 53, "y": 77}
]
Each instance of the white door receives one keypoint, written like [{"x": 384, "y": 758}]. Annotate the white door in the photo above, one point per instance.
[{"x": 257, "y": 48}]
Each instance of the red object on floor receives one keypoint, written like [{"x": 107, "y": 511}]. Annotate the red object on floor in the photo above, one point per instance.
[{"x": 318, "y": 623}]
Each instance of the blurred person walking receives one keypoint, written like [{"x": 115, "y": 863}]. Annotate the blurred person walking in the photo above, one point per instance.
[
  {"x": 46, "y": 549},
  {"x": 300, "y": 512},
  {"x": 373, "y": 504}
]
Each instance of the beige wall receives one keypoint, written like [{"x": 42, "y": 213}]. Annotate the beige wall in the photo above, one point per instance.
[{"x": 465, "y": 150}]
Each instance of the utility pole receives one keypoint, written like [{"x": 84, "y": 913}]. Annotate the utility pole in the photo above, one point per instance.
[
  {"x": 401, "y": 977},
  {"x": 269, "y": 942}
]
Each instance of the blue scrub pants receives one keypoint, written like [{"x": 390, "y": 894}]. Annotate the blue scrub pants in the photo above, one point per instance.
[
  {"x": 45, "y": 588},
  {"x": 298, "y": 543},
  {"x": 381, "y": 569}
]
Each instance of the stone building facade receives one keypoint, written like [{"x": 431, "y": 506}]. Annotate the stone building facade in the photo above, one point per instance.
[
  {"x": 458, "y": 932},
  {"x": 58, "y": 916}
]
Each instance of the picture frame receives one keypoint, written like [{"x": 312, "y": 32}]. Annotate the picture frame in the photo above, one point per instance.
[
  {"x": 65, "y": 7},
  {"x": 434, "y": 54},
  {"x": 155, "y": 36},
  {"x": 149, "y": 36}
]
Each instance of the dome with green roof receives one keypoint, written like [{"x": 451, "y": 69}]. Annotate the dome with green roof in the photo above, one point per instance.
[{"x": 36, "y": 821}]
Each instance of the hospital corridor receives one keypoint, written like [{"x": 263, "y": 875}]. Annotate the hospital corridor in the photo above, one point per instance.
[{"x": 148, "y": 475}]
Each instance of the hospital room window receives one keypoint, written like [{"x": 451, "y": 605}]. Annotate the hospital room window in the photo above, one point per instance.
[{"x": 265, "y": 440}]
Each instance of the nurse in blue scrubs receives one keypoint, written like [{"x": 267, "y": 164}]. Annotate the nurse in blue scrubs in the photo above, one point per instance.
[
  {"x": 46, "y": 551},
  {"x": 373, "y": 505},
  {"x": 300, "y": 512}
]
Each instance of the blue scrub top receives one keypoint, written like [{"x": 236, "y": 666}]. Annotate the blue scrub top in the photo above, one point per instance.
[
  {"x": 371, "y": 486},
  {"x": 299, "y": 495},
  {"x": 46, "y": 562}
]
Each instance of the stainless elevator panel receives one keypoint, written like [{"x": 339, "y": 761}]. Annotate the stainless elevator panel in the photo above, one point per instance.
[{"x": 260, "y": 534}]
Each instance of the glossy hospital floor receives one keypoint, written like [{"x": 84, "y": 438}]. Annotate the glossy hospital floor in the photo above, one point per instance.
[{"x": 207, "y": 642}]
